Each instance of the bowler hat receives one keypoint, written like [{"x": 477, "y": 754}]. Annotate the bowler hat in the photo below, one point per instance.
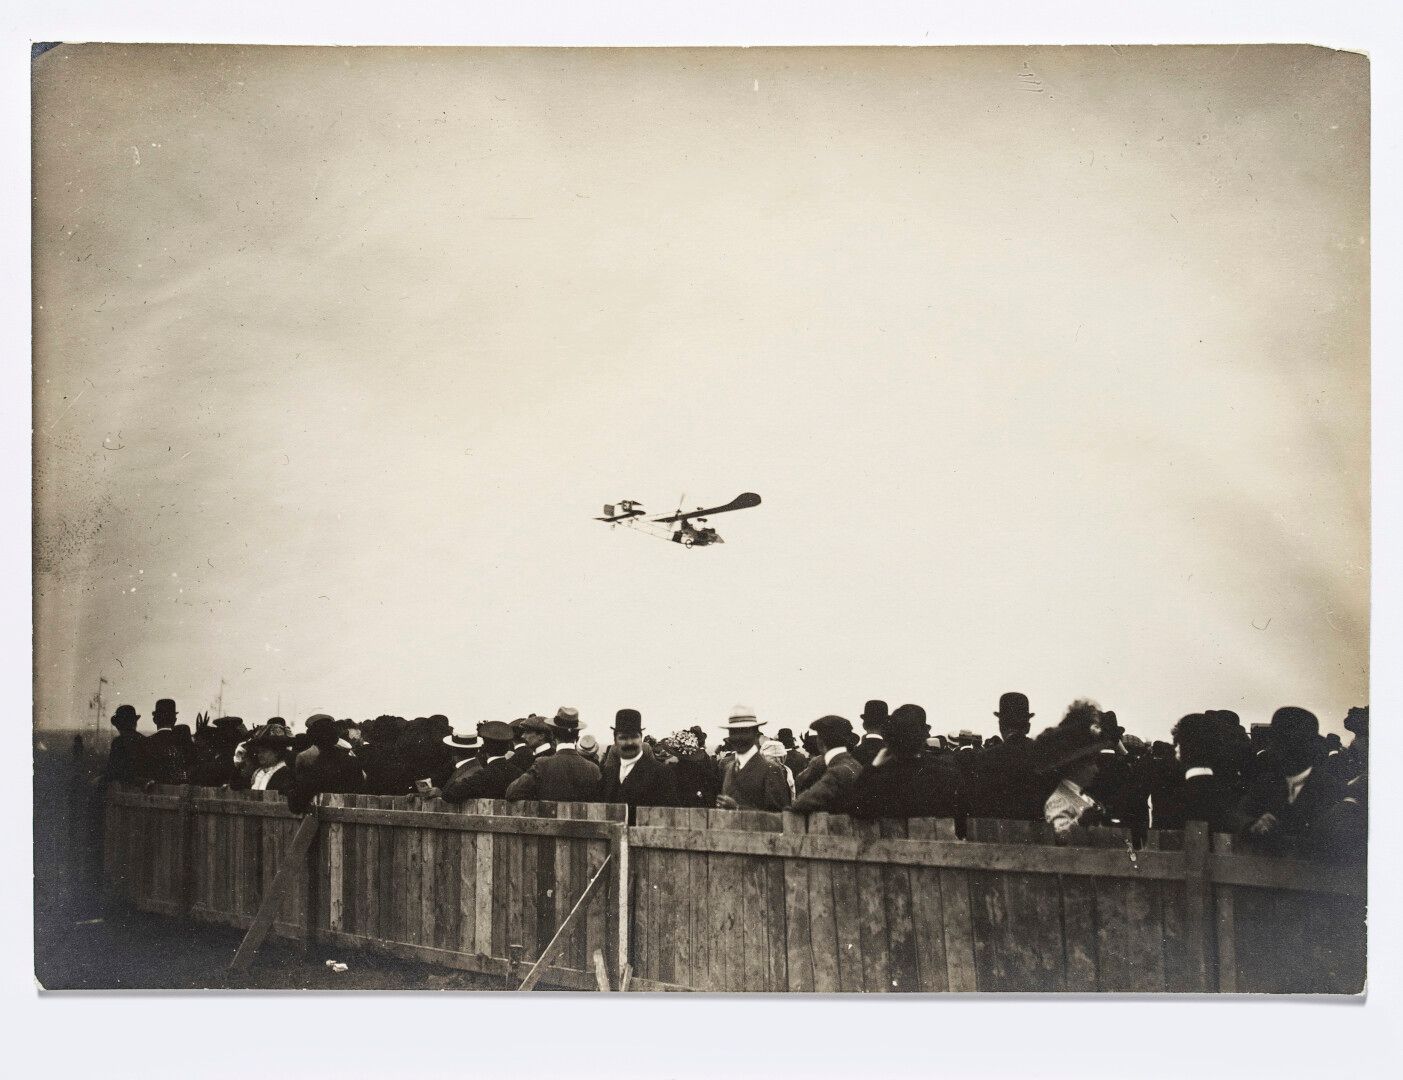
[
  {"x": 875, "y": 711},
  {"x": 1014, "y": 706},
  {"x": 125, "y": 716},
  {"x": 833, "y": 730},
  {"x": 1293, "y": 727},
  {"x": 628, "y": 722}
]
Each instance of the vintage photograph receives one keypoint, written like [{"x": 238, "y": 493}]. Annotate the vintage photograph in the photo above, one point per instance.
[{"x": 809, "y": 520}]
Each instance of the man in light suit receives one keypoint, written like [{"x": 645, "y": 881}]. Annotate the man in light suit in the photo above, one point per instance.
[{"x": 749, "y": 779}]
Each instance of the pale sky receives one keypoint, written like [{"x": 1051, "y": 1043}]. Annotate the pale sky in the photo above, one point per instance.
[{"x": 1050, "y": 365}]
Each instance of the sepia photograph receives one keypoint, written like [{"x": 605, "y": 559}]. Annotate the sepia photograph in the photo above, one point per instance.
[{"x": 779, "y": 520}]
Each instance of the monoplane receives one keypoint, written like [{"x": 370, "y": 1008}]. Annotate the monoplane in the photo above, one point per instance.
[{"x": 689, "y": 528}]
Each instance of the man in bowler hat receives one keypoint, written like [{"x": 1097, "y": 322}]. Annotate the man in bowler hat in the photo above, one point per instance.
[
  {"x": 167, "y": 761},
  {"x": 903, "y": 780},
  {"x": 874, "y": 719},
  {"x": 631, "y": 776},
  {"x": 126, "y": 757},
  {"x": 1003, "y": 780},
  {"x": 1295, "y": 787}
]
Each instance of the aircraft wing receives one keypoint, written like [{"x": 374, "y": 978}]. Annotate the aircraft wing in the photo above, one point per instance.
[{"x": 741, "y": 502}]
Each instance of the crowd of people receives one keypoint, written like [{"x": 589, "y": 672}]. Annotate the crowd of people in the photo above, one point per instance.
[{"x": 1282, "y": 786}]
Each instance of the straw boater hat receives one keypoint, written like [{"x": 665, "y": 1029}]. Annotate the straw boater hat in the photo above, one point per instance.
[
  {"x": 742, "y": 718},
  {"x": 464, "y": 742}
]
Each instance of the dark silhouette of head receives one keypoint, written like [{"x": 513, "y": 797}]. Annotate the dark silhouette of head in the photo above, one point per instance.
[
  {"x": 125, "y": 718},
  {"x": 1013, "y": 714},
  {"x": 906, "y": 731},
  {"x": 831, "y": 732},
  {"x": 874, "y": 716},
  {"x": 164, "y": 714}
]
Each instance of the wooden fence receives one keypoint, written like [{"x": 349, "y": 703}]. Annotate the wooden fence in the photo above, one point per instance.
[
  {"x": 417, "y": 878},
  {"x": 729, "y": 901},
  {"x": 734, "y": 901}
]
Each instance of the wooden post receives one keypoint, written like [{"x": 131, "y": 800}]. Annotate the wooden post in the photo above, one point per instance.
[
  {"x": 187, "y": 851},
  {"x": 1225, "y": 919},
  {"x": 618, "y": 856},
  {"x": 1197, "y": 895},
  {"x": 293, "y": 863}
]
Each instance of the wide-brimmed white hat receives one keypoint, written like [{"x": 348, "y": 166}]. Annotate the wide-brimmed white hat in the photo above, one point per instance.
[{"x": 742, "y": 716}]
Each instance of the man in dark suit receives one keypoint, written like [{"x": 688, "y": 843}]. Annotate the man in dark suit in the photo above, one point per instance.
[
  {"x": 1003, "y": 777},
  {"x": 497, "y": 772},
  {"x": 537, "y": 742},
  {"x": 750, "y": 780},
  {"x": 1295, "y": 787},
  {"x": 323, "y": 766},
  {"x": 830, "y": 790},
  {"x": 874, "y": 719},
  {"x": 903, "y": 780},
  {"x": 564, "y": 776},
  {"x": 1205, "y": 790},
  {"x": 167, "y": 762},
  {"x": 126, "y": 757},
  {"x": 631, "y": 776}
]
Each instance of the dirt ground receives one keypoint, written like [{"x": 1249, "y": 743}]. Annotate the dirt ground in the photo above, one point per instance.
[{"x": 149, "y": 952}]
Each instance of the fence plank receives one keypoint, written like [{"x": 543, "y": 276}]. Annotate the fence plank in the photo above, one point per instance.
[
  {"x": 847, "y": 908},
  {"x": 798, "y": 944},
  {"x": 926, "y": 916},
  {"x": 1078, "y": 900},
  {"x": 426, "y": 933},
  {"x": 726, "y": 904},
  {"x": 543, "y": 873},
  {"x": 1033, "y": 948},
  {"x": 961, "y": 971},
  {"x": 876, "y": 961},
  {"x": 673, "y": 914},
  {"x": 565, "y": 889},
  {"x": 1223, "y": 903},
  {"x": 1172, "y": 913},
  {"x": 903, "y": 974},
  {"x": 447, "y": 891},
  {"x": 336, "y": 889},
  {"x": 1145, "y": 940},
  {"x": 1197, "y": 900},
  {"x": 698, "y": 921},
  {"x": 823, "y": 929},
  {"x": 1114, "y": 927},
  {"x": 526, "y": 881},
  {"x": 986, "y": 911}
]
